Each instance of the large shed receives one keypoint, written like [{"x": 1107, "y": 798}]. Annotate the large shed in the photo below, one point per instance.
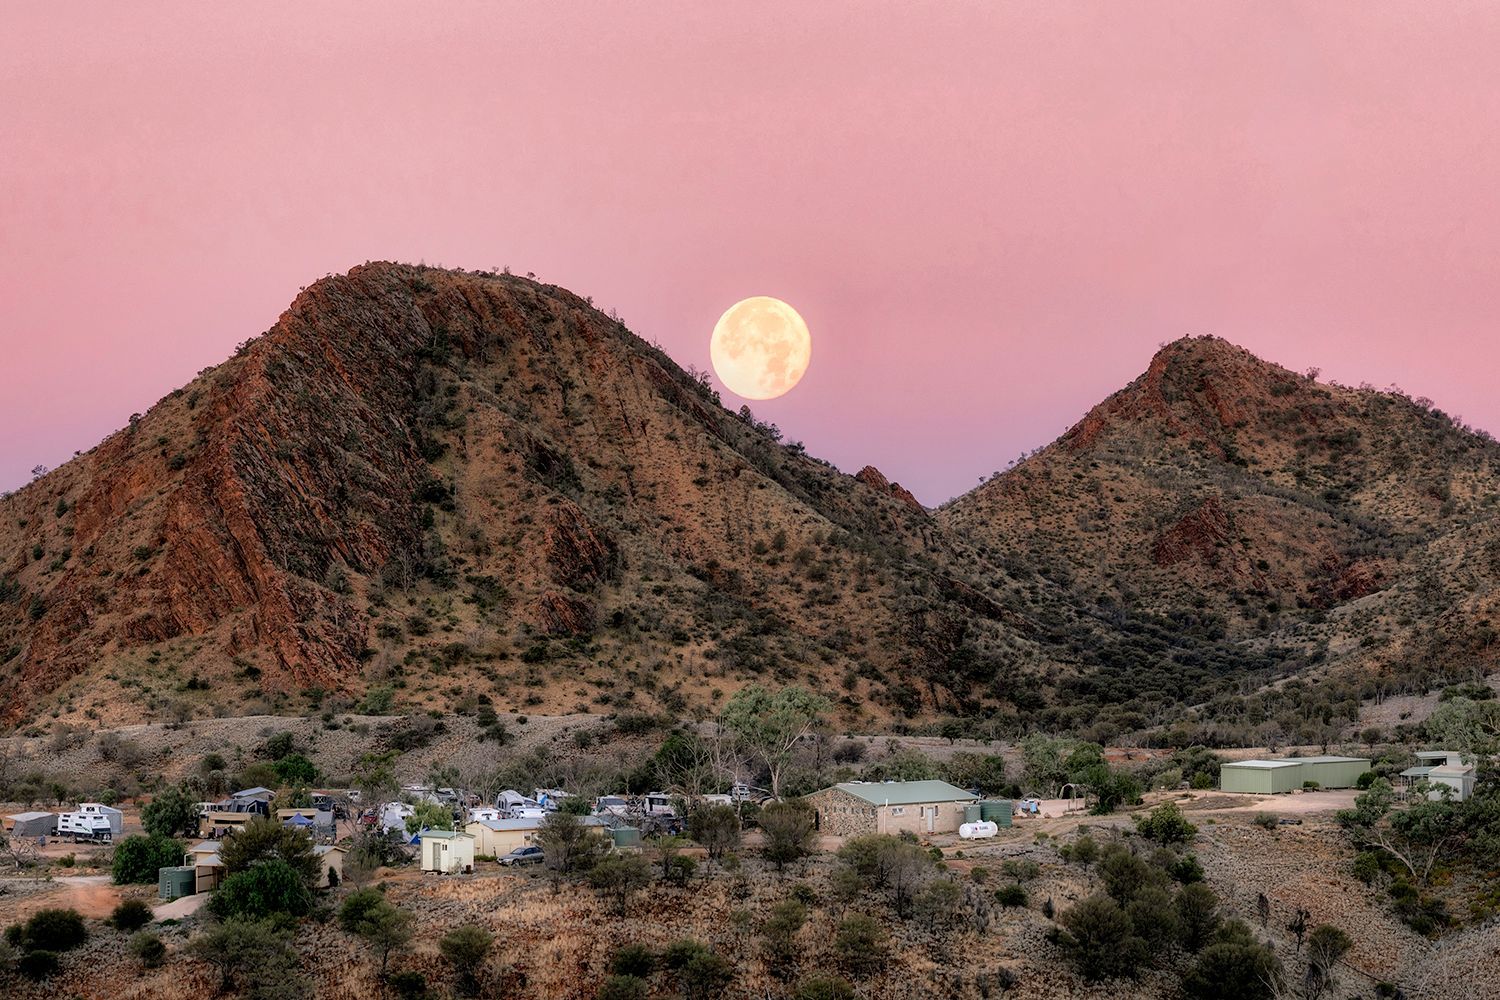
[
  {"x": 1267, "y": 777},
  {"x": 1333, "y": 772},
  {"x": 1261, "y": 777},
  {"x": 852, "y": 808}
]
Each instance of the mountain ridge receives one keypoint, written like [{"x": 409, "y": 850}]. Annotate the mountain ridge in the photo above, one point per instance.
[{"x": 437, "y": 487}]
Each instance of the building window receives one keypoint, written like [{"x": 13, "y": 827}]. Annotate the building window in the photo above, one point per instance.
[{"x": 898, "y": 811}]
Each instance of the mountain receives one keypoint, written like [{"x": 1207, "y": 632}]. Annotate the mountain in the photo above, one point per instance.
[
  {"x": 443, "y": 485},
  {"x": 435, "y": 490},
  {"x": 1333, "y": 523}
]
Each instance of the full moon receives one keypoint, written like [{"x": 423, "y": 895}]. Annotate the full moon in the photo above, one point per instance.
[{"x": 760, "y": 347}]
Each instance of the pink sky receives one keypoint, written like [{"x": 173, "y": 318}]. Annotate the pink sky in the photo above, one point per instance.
[{"x": 990, "y": 214}]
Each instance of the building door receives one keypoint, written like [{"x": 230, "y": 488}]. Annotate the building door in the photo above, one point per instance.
[{"x": 930, "y": 814}]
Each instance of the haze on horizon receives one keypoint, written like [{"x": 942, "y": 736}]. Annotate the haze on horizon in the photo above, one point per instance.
[{"x": 989, "y": 216}]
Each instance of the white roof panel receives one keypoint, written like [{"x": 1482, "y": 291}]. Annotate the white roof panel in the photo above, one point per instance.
[{"x": 1264, "y": 764}]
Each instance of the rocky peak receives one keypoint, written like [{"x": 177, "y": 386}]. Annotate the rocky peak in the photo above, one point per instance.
[{"x": 876, "y": 480}]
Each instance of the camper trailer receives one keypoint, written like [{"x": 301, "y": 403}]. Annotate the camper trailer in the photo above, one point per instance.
[
  {"x": 611, "y": 805},
  {"x": 658, "y": 804},
  {"x": 91, "y": 821},
  {"x": 517, "y": 806},
  {"x": 550, "y": 798}
]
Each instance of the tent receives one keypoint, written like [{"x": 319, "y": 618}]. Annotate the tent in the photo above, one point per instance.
[{"x": 31, "y": 824}]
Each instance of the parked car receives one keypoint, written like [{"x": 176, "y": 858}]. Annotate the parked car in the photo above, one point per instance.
[{"x": 523, "y": 856}]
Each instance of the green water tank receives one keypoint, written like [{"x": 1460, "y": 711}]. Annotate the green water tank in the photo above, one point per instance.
[
  {"x": 174, "y": 883},
  {"x": 626, "y": 836},
  {"x": 995, "y": 811},
  {"x": 973, "y": 812}
]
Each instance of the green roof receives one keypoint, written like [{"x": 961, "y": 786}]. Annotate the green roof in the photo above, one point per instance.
[{"x": 905, "y": 793}]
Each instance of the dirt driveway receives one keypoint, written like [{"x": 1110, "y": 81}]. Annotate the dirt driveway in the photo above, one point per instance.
[
  {"x": 91, "y": 895},
  {"x": 1328, "y": 801}
]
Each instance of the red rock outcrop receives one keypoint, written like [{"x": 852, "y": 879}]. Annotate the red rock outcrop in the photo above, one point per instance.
[
  {"x": 875, "y": 479},
  {"x": 580, "y": 555},
  {"x": 1199, "y": 534}
]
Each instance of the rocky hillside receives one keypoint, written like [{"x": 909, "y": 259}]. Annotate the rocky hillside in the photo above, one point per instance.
[
  {"x": 427, "y": 487},
  {"x": 433, "y": 490},
  {"x": 1347, "y": 524}
]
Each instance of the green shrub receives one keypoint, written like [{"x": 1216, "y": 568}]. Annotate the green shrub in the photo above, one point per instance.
[
  {"x": 53, "y": 930},
  {"x": 679, "y": 868},
  {"x": 1099, "y": 939},
  {"x": 131, "y": 915},
  {"x": 1166, "y": 825},
  {"x": 409, "y": 985},
  {"x": 1011, "y": 895},
  {"x": 1021, "y": 870},
  {"x": 824, "y": 987},
  {"x": 1198, "y": 914},
  {"x": 295, "y": 769},
  {"x": 859, "y": 944},
  {"x": 148, "y": 947},
  {"x": 356, "y": 906},
  {"x": 38, "y": 964},
  {"x": 262, "y": 890},
  {"x": 170, "y": 812},
  {"x": 1234, "y": 966},
  {"x": 623, "y": 987},
  {"x": 701, "y": 973},
  {"x": 264, "y": 840},
  {"x": 1187, "y": 869},
  {"x": 1366, "y": 866},
  {"x": 248, "y": 953},
  {"x": 634, "y": 960},
  {"x": 138, "y": 859},
  {"x": 466, "y": 949}
]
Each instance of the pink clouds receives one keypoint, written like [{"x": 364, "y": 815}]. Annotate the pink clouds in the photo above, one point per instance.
[{"x": 989, "y": 215}]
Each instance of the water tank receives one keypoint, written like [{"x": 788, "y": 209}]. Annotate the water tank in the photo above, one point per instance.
[
  {"x": 626, "y": 836},
  {"x": 995, "y": 811},
  {"x": 174, "y": 883},
  {"x": 972, "y": 813},
  {"x": 974, "y": 831}
]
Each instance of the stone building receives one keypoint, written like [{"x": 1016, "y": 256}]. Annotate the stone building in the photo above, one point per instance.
[{"x": 852, "y": 808}]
